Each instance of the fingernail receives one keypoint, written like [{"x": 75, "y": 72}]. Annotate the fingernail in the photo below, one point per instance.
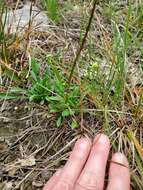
[
  {"x": 101, "y": 138},
  {"x": 120, "y": 158},
  {"x": 83, "y": 143}
]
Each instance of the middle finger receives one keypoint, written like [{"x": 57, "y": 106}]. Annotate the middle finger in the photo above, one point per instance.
[{"x": 92, "y": 176}]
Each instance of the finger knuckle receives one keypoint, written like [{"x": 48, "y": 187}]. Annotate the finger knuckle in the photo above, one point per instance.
[
  {"x": 86, "y": 182},
  {"x": 63, "y": 185},
  {"x": 85, "y": 186}
]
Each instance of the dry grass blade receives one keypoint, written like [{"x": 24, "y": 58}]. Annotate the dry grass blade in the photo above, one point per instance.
[{"x": 136, "y": 143}]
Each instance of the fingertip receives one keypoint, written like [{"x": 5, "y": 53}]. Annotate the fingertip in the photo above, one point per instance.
[
  {"x": 119, "y": 175},
  {"x": 94, "y": 171},
  {"x": 102, "y": 139},
  {"x": 76, "y": 161},
  {"x": 83, "y": 143},
  {"x": 120, "y": 158}
]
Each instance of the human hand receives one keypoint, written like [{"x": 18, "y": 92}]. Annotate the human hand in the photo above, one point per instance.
[{"x": 85, "y": 169}]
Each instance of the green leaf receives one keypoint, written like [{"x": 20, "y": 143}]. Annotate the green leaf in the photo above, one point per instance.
[
  {"x": 4, "y": 96},
  {"x": 53, "y": 110},
  {"x": 59, "y": 121},
  {"x": 52, "y": 9},
  {"x": 18, "y": 90},
  {"x": 35, "y": 66},
  {"x": 59, "y": 87},
  {"x": 57, "y": 74},
  {"x": 32, "y": 98},
  {"x": 66, "y": 113},
  {"x": 74, "y": 124},
  {"x": 54, "y": 98},
  {"x": 35, "y": 69},
  {"x": 72, "y": 112},
  {"x": 10, "y": 74}
]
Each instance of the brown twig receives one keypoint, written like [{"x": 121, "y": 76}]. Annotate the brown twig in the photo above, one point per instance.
[{"x": 82, "y": 43}]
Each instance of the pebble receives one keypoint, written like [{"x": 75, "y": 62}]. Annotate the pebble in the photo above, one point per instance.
[{"x": 18, "y": 20}]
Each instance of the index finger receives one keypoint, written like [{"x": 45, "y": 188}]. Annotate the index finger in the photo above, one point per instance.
[{"x": 74, "y": 165}]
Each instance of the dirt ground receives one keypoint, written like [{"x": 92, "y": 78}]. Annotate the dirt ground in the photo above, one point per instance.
[{"x": 31, "y": 147}]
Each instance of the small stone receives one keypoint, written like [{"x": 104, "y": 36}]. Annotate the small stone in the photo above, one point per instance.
[
  {"x": 18, "y": 20},
  {"x": 15, "y": 108}
]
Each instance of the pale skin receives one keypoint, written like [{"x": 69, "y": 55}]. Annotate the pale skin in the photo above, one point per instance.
[{"x": 85, "y": 168}]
